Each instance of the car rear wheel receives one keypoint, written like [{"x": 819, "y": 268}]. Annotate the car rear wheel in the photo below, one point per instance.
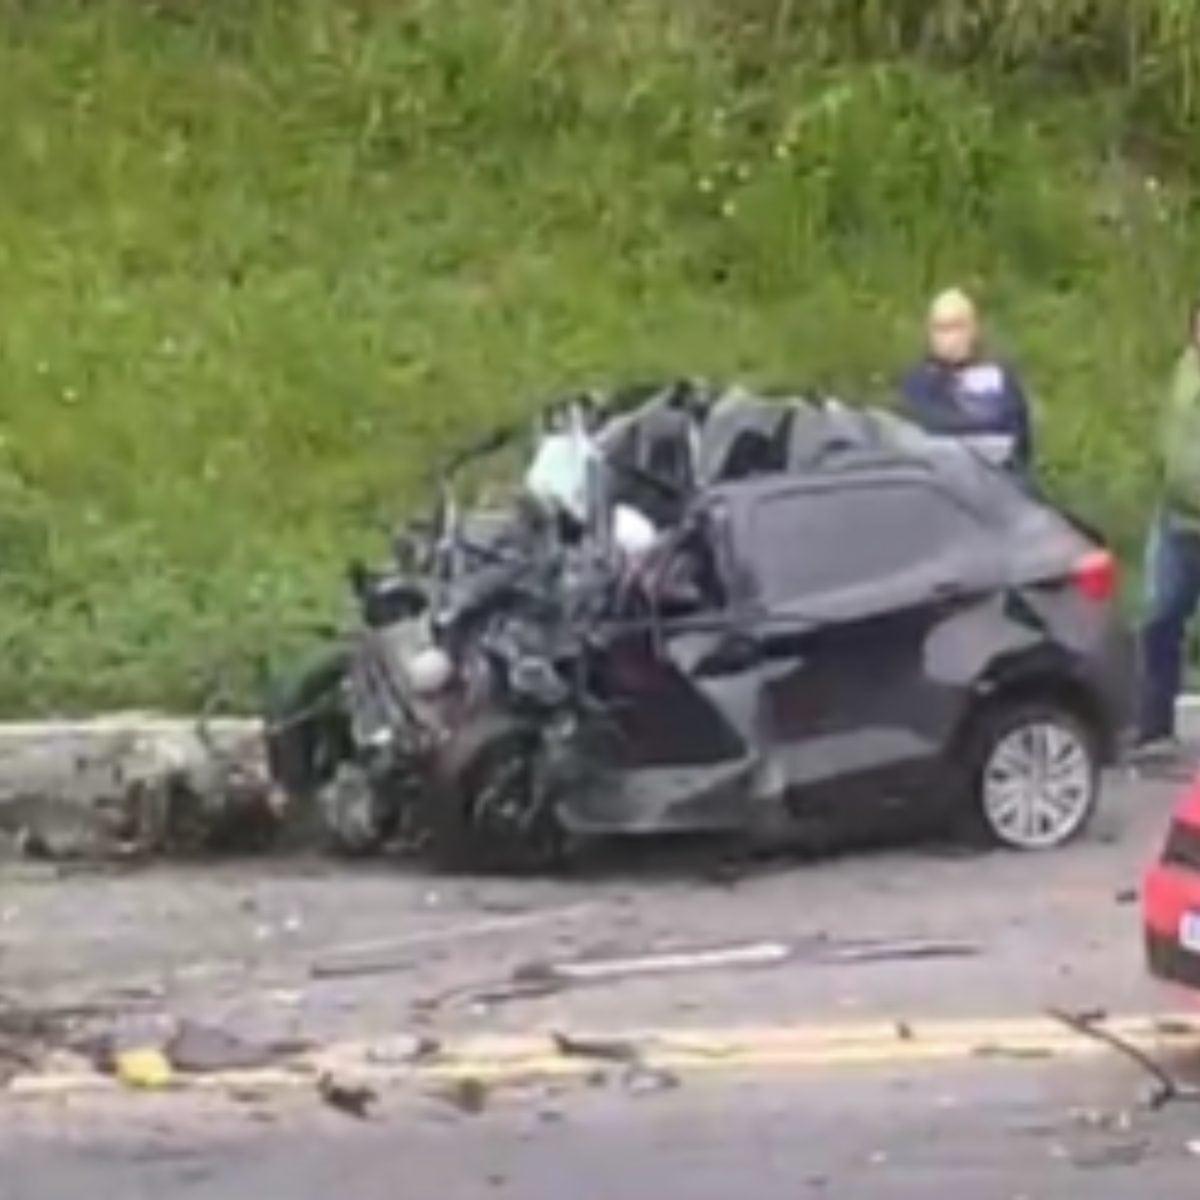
[{"x": 1035, "y": 775}]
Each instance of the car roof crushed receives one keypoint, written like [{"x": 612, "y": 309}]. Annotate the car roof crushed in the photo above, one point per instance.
[{"x": 697, "y": 436}]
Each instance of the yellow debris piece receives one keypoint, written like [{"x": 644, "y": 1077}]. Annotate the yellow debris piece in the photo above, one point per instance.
[{"x": 143, "y": 1068}]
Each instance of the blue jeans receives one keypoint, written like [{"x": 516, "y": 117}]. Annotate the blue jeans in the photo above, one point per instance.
[{"x": 1172, "y": 595}]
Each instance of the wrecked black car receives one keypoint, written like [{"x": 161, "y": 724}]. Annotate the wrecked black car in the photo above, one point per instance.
[{"x": 711, "y": 611}]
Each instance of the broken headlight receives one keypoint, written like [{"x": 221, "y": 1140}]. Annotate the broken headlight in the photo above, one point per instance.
[{"x": 429, "y": 671}]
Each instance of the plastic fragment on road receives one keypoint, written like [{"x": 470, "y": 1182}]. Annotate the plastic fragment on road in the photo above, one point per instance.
[
  {"x": 145, "y": 1068},
  {"x": 199, "y": 1048},
  {"x": 640, "y": 1080},
  {"x": 468, "y": 1094},
  {"x": 354, "y": 1100},
  {"x": 754, "y": 954},
  {"x": 605, "y": 1049},
  {"x": 403, "y": 1050},
  {"x": 899, "y": 950},
  {"x": 831, "y": 952},
  {"x": 1166, "y": 1088}
]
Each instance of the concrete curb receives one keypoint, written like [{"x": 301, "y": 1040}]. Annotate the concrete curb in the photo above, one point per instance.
[{"x": 84, "y": 788}]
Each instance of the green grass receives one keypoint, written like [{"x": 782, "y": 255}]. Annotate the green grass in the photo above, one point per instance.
[{"x": 260, "y": 262}]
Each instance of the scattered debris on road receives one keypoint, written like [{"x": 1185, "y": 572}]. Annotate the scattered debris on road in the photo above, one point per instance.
[
  {"x": 200, "y": 1049},
  {"x": 350, "y": 969},
  {"x": 145, "y": 1068},
  {"x": 1092, "y": 1118},
  {"x": 403, "y": 1050},
  {"x": 1166, "y": 1087},
  {"x": 535, "y": 979},
  {"x": 355, "y": 1100},
  {"x": 638, "y": 1077},
  {"x": 29, "y": 1035},
  {"x": 140, "y": 1048},
  {"x": 467, "y": 1094},
  {"x": 643, "y": 1080},
  {"x": 1092, "y": 1015},
  {"x": 1172, "y": 1028},
  {"x": 1014, "y": 1053},
  {"x": 898, "y": 950},
  {"x": 529, "y": 981},
  {"x": 605, "y": 1049},
  {"x": 754, "y": 954}
]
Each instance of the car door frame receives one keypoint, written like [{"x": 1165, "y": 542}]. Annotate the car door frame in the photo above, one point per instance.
[
  {"x": 708, "y": 629},
  {"x": 776, "y": 624}
]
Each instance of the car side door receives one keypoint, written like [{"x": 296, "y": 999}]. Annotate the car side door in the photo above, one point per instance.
[
  {"x": 674, "y": 704},
  {"x": 852, "y": 577},
  {"x": 648, "y": 670}
]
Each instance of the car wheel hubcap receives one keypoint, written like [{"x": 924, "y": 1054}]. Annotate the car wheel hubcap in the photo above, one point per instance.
[{"x": 1037, "y": 785}]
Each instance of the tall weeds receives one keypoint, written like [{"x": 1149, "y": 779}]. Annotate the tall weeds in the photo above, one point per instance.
[
  {"x": 1151, "y": 47},
  {"x": 261, "y": 263}
]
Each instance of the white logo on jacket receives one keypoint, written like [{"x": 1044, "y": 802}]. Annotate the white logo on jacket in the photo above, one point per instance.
[{"x": 982, "y": 380}]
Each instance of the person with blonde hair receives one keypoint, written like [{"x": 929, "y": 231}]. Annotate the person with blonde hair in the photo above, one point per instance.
[{"x": 959, "y": 390}]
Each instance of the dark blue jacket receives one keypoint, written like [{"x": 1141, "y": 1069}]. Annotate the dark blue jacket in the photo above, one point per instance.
[{"x": 978, "y": 397}]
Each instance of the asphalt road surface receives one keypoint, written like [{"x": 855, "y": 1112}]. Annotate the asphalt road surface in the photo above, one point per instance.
[
  {"x": 978, "y": 1132},
  {"x": 343, "y": 956}
]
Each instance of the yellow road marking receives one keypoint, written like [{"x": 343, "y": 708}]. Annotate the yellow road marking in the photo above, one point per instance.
[{"x": 499, "y": 1059}]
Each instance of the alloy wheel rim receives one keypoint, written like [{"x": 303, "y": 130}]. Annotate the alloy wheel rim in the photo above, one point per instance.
[{"x": 1038, "y": 785}]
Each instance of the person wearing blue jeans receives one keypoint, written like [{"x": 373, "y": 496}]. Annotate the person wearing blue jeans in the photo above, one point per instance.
[
  {"x": 1173, "y": 553},
  {"x": 1172, "y": 596}
]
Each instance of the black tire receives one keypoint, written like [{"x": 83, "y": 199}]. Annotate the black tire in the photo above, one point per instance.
[
  {"x": 492, "y": 750},
  {"x": 1054, "y": 801}
]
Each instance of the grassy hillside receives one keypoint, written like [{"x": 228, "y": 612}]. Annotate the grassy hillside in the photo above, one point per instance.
[{"x": 258, "y": 262}]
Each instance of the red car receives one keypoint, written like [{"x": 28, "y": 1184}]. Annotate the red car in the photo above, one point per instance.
[{"x": 1171, "y": 898}]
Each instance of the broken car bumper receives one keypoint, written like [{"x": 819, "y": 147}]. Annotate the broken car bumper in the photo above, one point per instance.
[{"x": 1171, "y": 903}]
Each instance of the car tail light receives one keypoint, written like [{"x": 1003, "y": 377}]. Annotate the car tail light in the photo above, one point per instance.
[
  {"x": 1095, "y": 576},
  {"x": 1187, "y": 812}
]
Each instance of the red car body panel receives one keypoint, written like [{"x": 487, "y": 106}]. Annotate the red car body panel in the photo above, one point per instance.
[{"x": 1172, "y": 890}]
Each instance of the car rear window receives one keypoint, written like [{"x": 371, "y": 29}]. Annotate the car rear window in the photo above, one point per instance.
[{"x": 808, "y": 542}]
